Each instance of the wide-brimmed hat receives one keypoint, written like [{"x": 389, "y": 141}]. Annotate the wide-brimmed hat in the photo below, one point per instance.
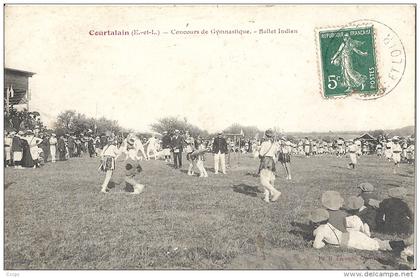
[
  {"x": 319, "y": 215},
  {"x": 354, "y": 202},
  {"x": 332, "y": 200},
  {"x": 176, "y": 131},
  {"x": 395, "y": 138},
  {"x": 366, "y": 187},
  {"x": 53, "y": 134},
  {"x": 165, "y": 132},
  {"x": 130, "y": 141},
  {"x": 29, "y": 132},
  {"x": 269, "y": 133},
  {"x": 397, "y": 192}
]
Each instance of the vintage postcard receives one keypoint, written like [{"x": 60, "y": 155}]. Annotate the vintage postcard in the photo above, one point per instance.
[{"x": 209, "y": 137}]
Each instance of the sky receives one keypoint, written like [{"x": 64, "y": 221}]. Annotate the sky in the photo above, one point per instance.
[{"x": 263, "y": 80}]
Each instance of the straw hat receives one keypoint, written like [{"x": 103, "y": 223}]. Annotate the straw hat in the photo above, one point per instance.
[
  {"x": 130, "y": 141},
  {"x": 397, "y": 192},
  {"x": 354, "y": 203},
  {"x": 332, "y": 200},
  {"x": 366, "y": 187},
  {"x": 319, "y": 215}
]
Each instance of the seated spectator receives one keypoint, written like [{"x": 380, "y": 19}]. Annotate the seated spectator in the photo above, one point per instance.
[
  {"x": 394, "y": 215},
  {"x": 354, "y": 222},
  {"x": 333, "y": 202},
  {"x": 326, "y": 233},
  {"x": 367, "y": 192}
]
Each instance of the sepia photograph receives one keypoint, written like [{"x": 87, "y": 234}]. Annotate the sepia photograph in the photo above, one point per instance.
[{"x": 210, "y": 137}]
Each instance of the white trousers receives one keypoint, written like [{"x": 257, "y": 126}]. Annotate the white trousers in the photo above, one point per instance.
[
  {"x": 53, "y": 150},
  {"x": 267, "y": 178},
  {"x": 353, "y": 158},
  {"x": 219, "y": 157},
  {"x": 200, "y": 166}
]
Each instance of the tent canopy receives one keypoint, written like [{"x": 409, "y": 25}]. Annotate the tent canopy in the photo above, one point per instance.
[{"x": 367, "y": 137}]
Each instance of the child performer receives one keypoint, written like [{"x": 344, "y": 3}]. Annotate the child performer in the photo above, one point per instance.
[
  {"x": 284, "y": 157},
  {"x": 199, "y": 156},
  {"x": 132, "y": 168},
  {"x": 388, "y": 150},
  {"x": 353, "y": 155},
  {"x": 396, "y": 153},
  {"x": 189, "y": 149},
  {"x": 307, "y": 146},
  {"x": 267, "y": 168},
  {"x": 151, "y": 147},
  {"x": 108, "y": 157}
]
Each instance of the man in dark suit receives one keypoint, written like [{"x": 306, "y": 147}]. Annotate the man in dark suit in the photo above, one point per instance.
[
  {"x": 61, "y": 145},
  {"x": 219, "y": 150},
  {"x": 177, "y": 147}
]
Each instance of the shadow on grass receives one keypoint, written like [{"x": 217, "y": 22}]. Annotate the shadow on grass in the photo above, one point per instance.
[
  {"x": 246, "y": 189},
  {"x": 303, "y": 230},
  {"x": 209, "y": 169},
  {"x": 7, "y": 184},
  {"x": 405, "y": 175},
  {"x": 341, "y": 167},
  {"x": 171, "y": 165},
  {"x": 255, "y": 175},
  {"x": 184, "y": 172},
  {"x": 393, "y": 184}
]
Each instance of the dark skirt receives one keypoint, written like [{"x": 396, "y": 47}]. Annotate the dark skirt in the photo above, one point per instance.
[
  {"x": 108, "y": 163},
  {"x": 267, "y": 162},
  {"x": 284, "y": 157},
  {"x": 192, "y": 156},
  {"x": 189, "y": 156},
  {"x": 27, "y": 160}
]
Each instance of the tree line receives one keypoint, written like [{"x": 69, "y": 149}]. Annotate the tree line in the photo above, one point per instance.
[{"x": 72, "y": 122}]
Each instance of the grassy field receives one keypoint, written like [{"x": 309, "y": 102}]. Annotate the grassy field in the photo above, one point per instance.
[{"x": 55, "y": 217}]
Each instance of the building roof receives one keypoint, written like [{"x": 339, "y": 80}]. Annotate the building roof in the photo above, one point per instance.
[{"x": 19, "y": 72}]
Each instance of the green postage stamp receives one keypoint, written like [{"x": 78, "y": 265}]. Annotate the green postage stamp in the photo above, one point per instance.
[{"x": 348, "y": 62}]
